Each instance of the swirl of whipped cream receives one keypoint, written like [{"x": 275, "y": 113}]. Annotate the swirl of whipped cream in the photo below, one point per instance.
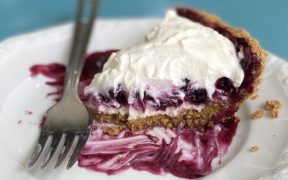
[{"x": 176, "y": 49}]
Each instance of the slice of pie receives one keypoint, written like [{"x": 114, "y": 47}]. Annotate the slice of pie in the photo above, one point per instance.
[{"x": 193, "y": 69}]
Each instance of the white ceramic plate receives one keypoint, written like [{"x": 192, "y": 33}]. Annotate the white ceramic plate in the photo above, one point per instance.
[{"x": 19, "y": 93}]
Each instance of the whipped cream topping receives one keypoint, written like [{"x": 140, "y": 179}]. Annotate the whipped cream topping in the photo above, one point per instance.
[{"x": 174, "y": 50}]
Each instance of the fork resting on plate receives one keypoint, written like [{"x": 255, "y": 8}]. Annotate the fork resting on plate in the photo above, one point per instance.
[{"x": 68, "y": 120}]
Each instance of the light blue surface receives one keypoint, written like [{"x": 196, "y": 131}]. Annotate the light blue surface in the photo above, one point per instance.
[{"x": 266, "y": 20}]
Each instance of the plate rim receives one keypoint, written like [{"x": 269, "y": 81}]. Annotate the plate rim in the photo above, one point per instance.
[{"x": 14, "y": 44}]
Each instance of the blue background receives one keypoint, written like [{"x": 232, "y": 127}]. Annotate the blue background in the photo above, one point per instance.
[{"x": 266, "y": 20}]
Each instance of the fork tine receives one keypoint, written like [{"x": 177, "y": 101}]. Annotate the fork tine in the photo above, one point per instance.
[
  {"x": 42, "y": 141},
  {"x": 81, "y": 142},
  {"x": 65, "y": 149},
  {"x": 56, "y": 138}
]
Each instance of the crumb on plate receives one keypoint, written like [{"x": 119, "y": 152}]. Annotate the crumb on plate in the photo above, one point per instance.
[
  {"x": 253, "y": 97},
  {"x": 257, "y": 114},
  {"x": 274, "y": 107},
  {"x": 254, "y": 149}
]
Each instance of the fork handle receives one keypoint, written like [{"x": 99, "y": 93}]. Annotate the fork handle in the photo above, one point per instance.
[{"x": 81, "y": 36}]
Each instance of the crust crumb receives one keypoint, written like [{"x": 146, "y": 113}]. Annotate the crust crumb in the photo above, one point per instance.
[
  {"x": 254, "y": 97},
  {"x": 112, "y": 131},
  {"x": 274, "y": 107},
  {"x": 254, "y": 149},
  {"x": 257, "y": 114},
  {"x": 210, "y": 124}
]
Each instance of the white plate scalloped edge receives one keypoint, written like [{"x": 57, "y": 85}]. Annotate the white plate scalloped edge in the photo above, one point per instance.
[{"x": 19, "y": 53}]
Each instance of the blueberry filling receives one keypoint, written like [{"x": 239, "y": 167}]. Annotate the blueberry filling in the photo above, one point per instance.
[
  {"x": 147, "y": 97},
  {"x": 138, "y": 103},
  {"x": 168, "y": 102},
  {"x": 104, "y": 99}
]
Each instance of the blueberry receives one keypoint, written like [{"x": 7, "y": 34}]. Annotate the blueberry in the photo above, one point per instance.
[
  {"x": 121, "y": 98},
  {"x": 225, "y": 84},
  {"x": 196, "y": 96},
  {"x": 164, "y": 103},
  {"x": 104, "y": 98},
  {"x": 118, "y": 95}
]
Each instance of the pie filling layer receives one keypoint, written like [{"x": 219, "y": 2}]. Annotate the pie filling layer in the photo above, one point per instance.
[{"x": 176, "y": 68}]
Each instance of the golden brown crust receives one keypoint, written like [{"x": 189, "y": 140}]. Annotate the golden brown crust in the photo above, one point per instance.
[
  {"x": 190, "y": 117},
  {"x": 193, "y": 117},
  {"x": 112, "y": 131}
]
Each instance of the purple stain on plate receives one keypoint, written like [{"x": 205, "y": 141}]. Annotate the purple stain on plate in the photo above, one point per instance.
[
  {"x": 28, "y": 112},
  {"x": 186, "y": 152}
]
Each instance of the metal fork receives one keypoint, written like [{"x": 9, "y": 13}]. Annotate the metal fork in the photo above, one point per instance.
[{"x": 69, "y": 119}]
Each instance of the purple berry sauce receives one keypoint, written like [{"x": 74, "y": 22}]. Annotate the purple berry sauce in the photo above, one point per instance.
[{"x": 185, "y": 152}]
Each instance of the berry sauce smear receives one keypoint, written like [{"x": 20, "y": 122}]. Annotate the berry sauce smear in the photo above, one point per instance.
[{"x": 183, "y": 152}]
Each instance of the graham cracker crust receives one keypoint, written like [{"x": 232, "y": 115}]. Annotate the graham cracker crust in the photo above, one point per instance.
[{"x": 189, "y": 117}]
